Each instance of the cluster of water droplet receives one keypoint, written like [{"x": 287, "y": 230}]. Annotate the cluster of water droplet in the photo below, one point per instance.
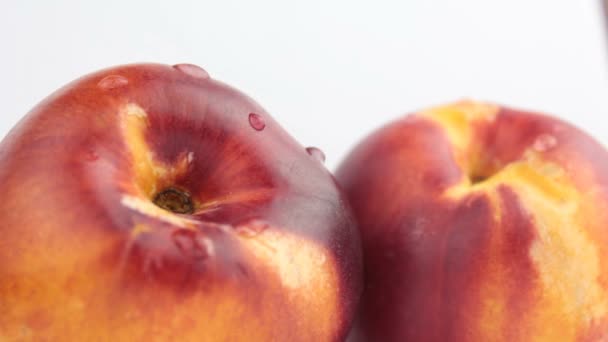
[{"x": 256, "y": 121}]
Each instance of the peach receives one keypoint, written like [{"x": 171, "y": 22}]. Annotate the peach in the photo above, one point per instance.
[
  {"x": 150, "y": 202},
  {"x": 481, "y": 223}
]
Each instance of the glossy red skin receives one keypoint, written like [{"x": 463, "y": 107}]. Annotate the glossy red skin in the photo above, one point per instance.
[
  {"x": 65, "y": 163},
  {"x": 425, "y": 256}
]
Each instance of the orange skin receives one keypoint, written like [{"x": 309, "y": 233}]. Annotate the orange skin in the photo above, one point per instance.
[
  {"x": 270, "y": 252},
  {"x": 481, "y": 223}
]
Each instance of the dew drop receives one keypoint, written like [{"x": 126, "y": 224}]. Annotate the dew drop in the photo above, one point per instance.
[
  {"x": 112, "y": 82},
  {"x": 91, "y": 155},
  {"x": 192, "y": 70},
  {"x": 183, "y": 239},
  {"x": 544, "y": 142},
  {"x": 316, "y": 153},
  {"x": 206, "y": 246},
  {"x": 191, "y": 245},
  {"x": 256, "y": 121},
  {"x": 322, "y": 259},
  {"x": 251, "y": 228}
]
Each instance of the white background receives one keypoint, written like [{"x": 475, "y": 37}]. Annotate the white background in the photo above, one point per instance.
[{"x": 329, "y": 71}]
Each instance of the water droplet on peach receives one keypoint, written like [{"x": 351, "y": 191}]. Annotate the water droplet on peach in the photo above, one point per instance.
[
  {"x": 192, "y": 70},
  {"x": 544, "y": 142},
  {"x": 251, "y": 228},
  {"x": 322, "y": 259},
  {"x": 112, "y": 82},
  {"x": 316, "y": 153},
  {"x": 256, "y": 121},
  {"x": 207, "y": 248},
  {"x": 91, "y": 155},
  {"x": 190, "y": 244}
]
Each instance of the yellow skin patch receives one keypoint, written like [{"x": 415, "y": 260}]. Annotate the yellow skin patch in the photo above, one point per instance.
[
  {"x": 139, "y": 229},
  {"x": 151, "y": 175},
  {"x": 568, "y": 297},
  {"x": 303, "y": 269},
  {"x": 457, "y": 121}
]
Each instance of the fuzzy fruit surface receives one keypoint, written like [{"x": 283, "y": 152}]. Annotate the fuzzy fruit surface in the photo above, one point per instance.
[
  {"x": 139, "y": 204},
  {"x": 481, "y": 223}
]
